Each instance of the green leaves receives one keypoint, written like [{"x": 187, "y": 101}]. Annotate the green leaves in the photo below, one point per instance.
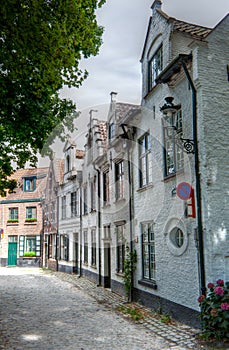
[{"x": 41, "y": 45}]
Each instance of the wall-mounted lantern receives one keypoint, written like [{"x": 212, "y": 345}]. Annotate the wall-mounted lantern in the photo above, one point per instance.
[{"x": 173, "y": 127}]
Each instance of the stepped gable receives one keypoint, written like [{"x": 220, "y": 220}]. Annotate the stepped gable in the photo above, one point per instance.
[
  {"x": 58, "y": 165},
  {"x": 102, "y": 126},
  {"x": 80, "y": 153},
  {"x": 122, "y": 109}
]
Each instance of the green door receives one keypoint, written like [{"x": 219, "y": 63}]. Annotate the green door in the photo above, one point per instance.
[{"x": 12, "y": 253}]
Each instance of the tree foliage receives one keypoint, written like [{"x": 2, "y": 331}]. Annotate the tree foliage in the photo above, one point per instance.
[{"x": 41, "y": 45}]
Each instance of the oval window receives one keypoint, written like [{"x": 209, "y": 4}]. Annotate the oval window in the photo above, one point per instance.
[{"x": 177, "y": 237}]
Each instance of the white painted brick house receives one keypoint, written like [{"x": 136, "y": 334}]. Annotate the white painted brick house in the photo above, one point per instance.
[{"x": 142, "y": 160}]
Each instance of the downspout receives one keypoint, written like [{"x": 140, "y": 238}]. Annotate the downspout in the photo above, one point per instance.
[
  {"x": 57, "y": 233},
  {"x": 81, "y": 229},
  {"x": 99, "y": 223},
  {"x": 130, "y": 182},
  {"x": 198, "y": 185}
]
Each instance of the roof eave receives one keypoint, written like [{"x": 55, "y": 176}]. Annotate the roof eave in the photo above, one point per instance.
[{"x": 173, "y": 68}]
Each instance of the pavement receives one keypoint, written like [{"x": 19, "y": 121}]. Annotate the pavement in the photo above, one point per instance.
[{"x": 45, "y": 310}]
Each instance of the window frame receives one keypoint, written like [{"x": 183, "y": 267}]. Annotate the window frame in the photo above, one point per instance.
[
  {"x": 144, "y": 150},
  {"x": 119, "y": 180},
  {"x": 23, "y": 244},
  {"x": 29, "y": 184},
  {"x": 85, "y": 247},
  {"x": 93, "y": 247},
  {"x": 148, "y": 248},
  {"x": 31, "y": 213},
  {"x": 15, "y": 212},
  {"x": 120, "y": 249},
  {"x": 106, "y": 187},
  {"x": 63, "y": 207},
  {"x": 153, "y": 70},
  {"x": 73, "y": 204},
  {"x": 173, "y": 151}
]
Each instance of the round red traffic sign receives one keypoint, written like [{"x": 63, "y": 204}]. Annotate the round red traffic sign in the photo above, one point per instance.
[{"x": 184, "y": 190}]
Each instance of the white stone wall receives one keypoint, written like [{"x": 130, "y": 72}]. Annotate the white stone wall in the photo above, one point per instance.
[{"x": 213, "y": 106}]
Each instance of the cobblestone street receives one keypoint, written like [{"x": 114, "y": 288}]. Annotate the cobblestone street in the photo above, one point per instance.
[{"x": 40, "y": 310}]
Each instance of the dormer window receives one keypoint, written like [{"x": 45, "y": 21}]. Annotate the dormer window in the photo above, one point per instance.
[
  {"x": 155, "y": 67},
  {"x": 29, "y": 184}
]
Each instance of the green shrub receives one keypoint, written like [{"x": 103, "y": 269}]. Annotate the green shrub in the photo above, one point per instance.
[
  {"x": 30, "y": 220},
  {"x": 12, "y": 220},
  {"x": 215, "y": 311},
  {"x": 29, "y": 254}
]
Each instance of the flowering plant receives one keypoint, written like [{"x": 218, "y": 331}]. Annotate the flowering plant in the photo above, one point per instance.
[{"x": 215, "y": 310}]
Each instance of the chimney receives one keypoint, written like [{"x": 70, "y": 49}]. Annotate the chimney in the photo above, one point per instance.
[
  {"x": 156, "y": 5},
  {"x": 113, "y": 96}
]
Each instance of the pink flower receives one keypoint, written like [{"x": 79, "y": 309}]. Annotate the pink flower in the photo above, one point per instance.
[
  {"x": 219, "y": 291},
  {"x": 201, "y": 298},
  {"x": 220, "y": 282},
  {"x": 211, "y": 285},
  {"x": 224, "y": 306}
]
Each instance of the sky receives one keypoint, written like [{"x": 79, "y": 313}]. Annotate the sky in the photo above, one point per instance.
[{"x": 117, "y": 66}]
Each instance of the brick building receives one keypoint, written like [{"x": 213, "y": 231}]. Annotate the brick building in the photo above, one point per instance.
[{"x": 21, "y": 219}]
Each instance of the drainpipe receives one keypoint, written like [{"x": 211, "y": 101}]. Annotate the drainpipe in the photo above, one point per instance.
[
  {"x": 81, "y": 229},
  {"x": 99, "y": 223},
  {"x": 57, "y": 233},
  {"x": 198, "y": 185},
  {"x": 130, "y": 182}
]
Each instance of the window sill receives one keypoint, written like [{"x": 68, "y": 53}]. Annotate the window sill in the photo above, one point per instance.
[
  {"x": 147, "y": 283},
  {"x": 172, "y": 176},
  {"x": 144, "y": 188},
  {"x": 120, "y": 274},
  {"x": 119, "y": 200},
  {"x": 30, "y": 223},
  {"x": 12, "y": 223},
  {"x": 106, "y": 205}
]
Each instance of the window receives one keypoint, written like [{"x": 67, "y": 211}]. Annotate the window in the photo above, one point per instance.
[
  {"x": 177, "y": 237},
  {"x": 31, "y": 214},
  {"x": 148, "y": 251},
  {"x": 120, "y": 248},
  {"x": 64, "y": 247},
  {"x": 107, "y": 232},
  {"x": 29, "y": 184},
  {"x": 93, "y": 248},
  {"x": 111, "y": 133},
  {"x": 119, "y": 180},
  {"x": 93, "y": 194},
  {"x": 30, "y": 244},
  {"x": 155, "y": 67},
  {"x": 85, "y": 207},
  {"x": 13, "y": 215},
  {"x": 174, "y": 156},
  {"x": 53, "y": 212},
  {"x": 85, "y": 255},
  {"x": 63, "y": 207},
  {"x": 68, "y": 164},
  {"x": 52, "y": 246},
  {"x": 106, "y": 189},
  {"x": 73, "y": 204},
  {"x": 145, "y": 165}
]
